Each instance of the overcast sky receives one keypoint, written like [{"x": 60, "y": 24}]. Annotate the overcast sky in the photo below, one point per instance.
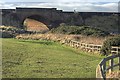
[
  {"x": 59, "y": 0},
  {"x": 66, "y": 5}
]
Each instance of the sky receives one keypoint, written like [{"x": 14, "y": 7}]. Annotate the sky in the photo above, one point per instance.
[
  {"x": 65, "y": 5},
  {"x": 59, "y": 0}
]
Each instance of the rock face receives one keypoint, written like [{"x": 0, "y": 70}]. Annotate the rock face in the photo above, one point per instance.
[{"x": 34, "y": 25}]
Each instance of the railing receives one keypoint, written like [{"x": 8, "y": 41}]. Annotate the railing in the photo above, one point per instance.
[
  {"x": 115, "y": 50},
  {"x": 103, "y": 67},
  {"x": 84, "y": 46}
]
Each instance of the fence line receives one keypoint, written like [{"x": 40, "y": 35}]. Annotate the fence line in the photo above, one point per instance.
[
  {"x": 103, "y": 68},
  {"x": 84, "y": 46},
  {"x": 72, "y": 43},
  {"x": 115, "y": 50}
]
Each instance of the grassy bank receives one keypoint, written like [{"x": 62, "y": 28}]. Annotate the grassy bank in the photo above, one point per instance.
[{"x": 45, "y": 59}]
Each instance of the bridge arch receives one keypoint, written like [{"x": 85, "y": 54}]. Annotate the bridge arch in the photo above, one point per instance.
[
  {"x": 39, "y": 18},
  {"x": 36, "y": 23}
]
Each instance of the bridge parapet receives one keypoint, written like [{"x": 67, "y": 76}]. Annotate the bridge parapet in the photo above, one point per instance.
[{"x": 52, "y": 16}]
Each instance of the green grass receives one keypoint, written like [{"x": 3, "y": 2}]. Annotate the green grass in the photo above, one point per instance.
[{"x": 45, "y": 59}]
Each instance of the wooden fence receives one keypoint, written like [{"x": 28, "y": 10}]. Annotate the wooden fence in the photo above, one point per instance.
[
  {"x": 115, "y": 50},
  {"x": 83, "y": 46},
  {"x": 103, "y": 68}
]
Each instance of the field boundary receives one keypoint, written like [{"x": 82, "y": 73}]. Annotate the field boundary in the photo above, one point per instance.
[
  {"x": 65, "y": 40},
  {"x": 103, "y": 68},
  {"x": 83, "y": 46}
]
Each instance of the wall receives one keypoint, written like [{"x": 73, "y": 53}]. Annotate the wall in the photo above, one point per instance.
[{"x": 52, "y": 16}]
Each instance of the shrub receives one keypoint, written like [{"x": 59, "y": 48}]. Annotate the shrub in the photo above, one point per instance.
[
  {"x": 62, "y": 24},
  {"x": 106, "y": 48},
  {"x": 84, "y": 30},
  {"x": 64, "y": 29},
  {"x": 10, "y": 32},
  {"x": 7, "y": 35}
]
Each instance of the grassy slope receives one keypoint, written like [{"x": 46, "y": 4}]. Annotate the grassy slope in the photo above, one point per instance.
[{"x": 45, "y": 59}]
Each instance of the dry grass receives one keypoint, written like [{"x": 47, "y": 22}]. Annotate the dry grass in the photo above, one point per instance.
[
  {"x": 7, "y": 27},
  {"x": 62, "y": 37},
  {"x": 92, "y": 40},
  {"x": 115, "y": 74}
]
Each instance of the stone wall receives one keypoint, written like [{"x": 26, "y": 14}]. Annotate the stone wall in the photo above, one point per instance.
[{"x": 52, "y": 16}]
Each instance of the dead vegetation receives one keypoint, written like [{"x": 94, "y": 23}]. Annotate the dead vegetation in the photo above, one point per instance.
[
  {"x": 62, "y": 37},
  {"x": 114, "y": 75}
]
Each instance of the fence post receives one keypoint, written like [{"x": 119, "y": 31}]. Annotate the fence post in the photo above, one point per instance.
[
  {"x": 104, "y": 69},
  {"x": 119, "y": 61},
  {"x": 78, "y": 45},
  {"x": 70, "y": 43},
  {"x": 111, "y": 65},
  {"x": 117, "y": 50}
]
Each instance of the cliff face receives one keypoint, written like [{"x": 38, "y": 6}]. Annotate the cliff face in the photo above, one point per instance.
[{"x": 52, "y": 18}]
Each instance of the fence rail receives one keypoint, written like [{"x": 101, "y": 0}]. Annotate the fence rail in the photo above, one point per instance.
[
  {"x": 84, "y": 46},
  {"x": 115, "y": 50},
  {"x": 103, "y": 68}
]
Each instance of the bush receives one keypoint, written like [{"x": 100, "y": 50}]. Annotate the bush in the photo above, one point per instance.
[
  {"x": 106, "y": 48},
  {"x": 84, "y": 30},
  {"x": 10, "y": 32},
  {"x": 64, "y": 29},
  {"x": 62, "y": 24},
  {"x": 7, "y": 35}
]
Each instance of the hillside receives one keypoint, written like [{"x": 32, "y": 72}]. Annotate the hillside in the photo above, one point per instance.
[{"x": 45, "y": 59}]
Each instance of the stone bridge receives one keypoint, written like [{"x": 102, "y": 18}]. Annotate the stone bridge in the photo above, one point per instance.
[{"x": 49, "y": 16}]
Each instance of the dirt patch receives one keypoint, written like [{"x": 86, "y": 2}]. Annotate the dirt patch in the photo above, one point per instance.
[{"x": 34, "y": 25}]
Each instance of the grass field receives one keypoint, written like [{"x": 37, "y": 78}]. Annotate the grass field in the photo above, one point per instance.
[{"x": 45, "y": 59}]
